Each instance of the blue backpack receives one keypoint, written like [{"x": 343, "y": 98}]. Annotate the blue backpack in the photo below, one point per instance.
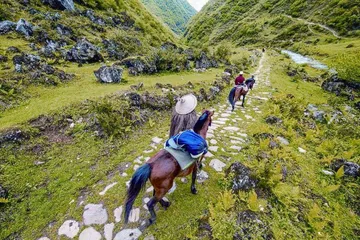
[{"x": 190, "y": 142}]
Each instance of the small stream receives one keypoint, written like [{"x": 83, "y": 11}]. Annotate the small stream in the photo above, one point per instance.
[{"x": 300, "y": 59}]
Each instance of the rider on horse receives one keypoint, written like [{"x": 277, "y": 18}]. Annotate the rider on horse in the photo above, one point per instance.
[{"x": 240, "y": 81}]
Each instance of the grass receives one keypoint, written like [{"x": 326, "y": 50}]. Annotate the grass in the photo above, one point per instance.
[
  {"x": 307, "y": 204},
  {"x": 86, "y": 87},
  {"x": 342, "y": 55},
  {"x": 82, "y": 167},
  {"x": 86, "y": 165}
]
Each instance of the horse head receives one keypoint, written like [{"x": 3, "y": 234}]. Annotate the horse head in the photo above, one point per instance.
[
  {"x": 250, "y": 82},
  {"x": 204, "y": 121}
]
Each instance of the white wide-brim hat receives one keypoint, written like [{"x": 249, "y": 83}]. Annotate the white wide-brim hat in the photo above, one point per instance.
[
  {"x": 241, "y": 73},
  {"x": 186, "y": 104}
]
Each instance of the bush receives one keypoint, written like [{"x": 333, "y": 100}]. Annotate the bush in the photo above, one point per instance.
[
  {"x": 223, "y": 53},
  {"x": 348, "y": 67}
]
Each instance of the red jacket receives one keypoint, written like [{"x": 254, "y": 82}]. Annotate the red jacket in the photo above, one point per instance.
[{"x": 239, "y": 80}]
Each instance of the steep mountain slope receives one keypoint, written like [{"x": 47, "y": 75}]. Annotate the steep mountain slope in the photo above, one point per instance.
[
  {"x": 175, "y": 13},
  {"x": 273, "y": 22},
  {"x": 50, "y": 36}
]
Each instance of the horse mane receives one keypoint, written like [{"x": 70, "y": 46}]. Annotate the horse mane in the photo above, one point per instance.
[{"x": 201, "y": 121}]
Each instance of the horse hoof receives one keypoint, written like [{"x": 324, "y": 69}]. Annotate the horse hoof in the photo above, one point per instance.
[
  {"x": 165, "y": 204},
  {"x": 194, "y": 191},
  {"x": 151, "y": 222}
]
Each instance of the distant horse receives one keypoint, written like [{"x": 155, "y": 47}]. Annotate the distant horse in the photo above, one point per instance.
[
  {"x": 161, "y": 170},
  {"x": 237, "y": 92}
]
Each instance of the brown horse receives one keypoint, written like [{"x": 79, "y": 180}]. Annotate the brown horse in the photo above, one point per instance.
[
  {"x": 237, "y": 92},
  {"x": 161, "y": 170}
]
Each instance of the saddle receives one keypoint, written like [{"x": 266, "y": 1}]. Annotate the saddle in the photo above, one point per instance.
[
  {"x": 186, "y": 147},
  {"x": 242, "y": 86}
]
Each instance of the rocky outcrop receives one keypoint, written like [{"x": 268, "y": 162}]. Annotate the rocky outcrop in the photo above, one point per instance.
[
  {"x": 123, "y": 20},
  {"x": 50, "y": 48},
  {"x": 114, "y": 50},
  {"x": 204, "y": 62},
  {"x": 111, "y": 74},
  {"x": 24, "y": 27},
  {"x": 232, "y": 69},
  {"x": 84, "y": 52},
  {"x": 315, "y": 113},
  {"x": 189, "y": 54},
  {"x": 6, "y": 26},
  {"x": 93, "y": 18},
  {"x": 61, "y": 4},
  {"x": 63, "y": 30},
  {"x": 39, "y": 71},
  {"x": 241, "y": 177},
  {"x": 338, "y": 86},
  {"x": 138, "y": 66},
  {"x": 26, "y": 62},
  {"x": 350, "y": 168},
  {"x": 12, "y": 136}
]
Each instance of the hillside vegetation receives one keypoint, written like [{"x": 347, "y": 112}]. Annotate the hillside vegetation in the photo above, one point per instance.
[
  {"x": 284, "y": 166},
  {"x": 271, "y": 22},
  {"x": 175, "y": 13}
]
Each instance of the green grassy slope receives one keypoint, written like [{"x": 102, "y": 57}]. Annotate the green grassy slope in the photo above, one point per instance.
[
  {"x": 126, "y": 24},
  {"x": 175, "y": 13},
  {"x": 271, "y": 22}
]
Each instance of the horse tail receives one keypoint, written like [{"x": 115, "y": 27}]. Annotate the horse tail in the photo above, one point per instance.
[
  {"x": 231, "y": 96},
  {"x": 138, "y": 182}
]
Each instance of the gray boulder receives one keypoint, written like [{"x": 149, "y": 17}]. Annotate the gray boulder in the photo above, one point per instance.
[
  {"x": 315, "y": 113},
  {"x": 26, "y": 62},
  {"x": 24, "y": 27},
  {"x": 84, "y": 52},
  {"x": 214, "y": 91},
  {"x": 111, "y": 74},
  {"x": 95, "y": 19},
  {"x": 350, "y": 168},
  {"x": 6, "y": 26},
  {"x": 205, "y": 62},
  {"x": 61, "y": 4},
  {"x": 241, "y": 177},
  {"x": 115, "y": 51},
  {"x": 63, "y": 30},
  {"x": 138, "y": 66}
]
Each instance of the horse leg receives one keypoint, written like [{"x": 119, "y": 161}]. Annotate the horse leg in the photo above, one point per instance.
[
  {"x": 236, "y": 98},
  {"x": 159, "y": 194},
  {"x": 164, "y": 204},
  {"x": 243, "y": 101},
  {"x": 151, "y": 204},
  {"x": 193, "y": 178}
]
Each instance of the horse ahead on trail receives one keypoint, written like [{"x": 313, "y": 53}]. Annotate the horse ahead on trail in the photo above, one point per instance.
[
  {"x": 239, "y": 91},
  {"x": 162, "y": 169}
]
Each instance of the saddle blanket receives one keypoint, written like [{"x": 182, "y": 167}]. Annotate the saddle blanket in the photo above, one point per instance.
[
  {"x": 242, "y": 86},
  {"x": 183, "y": 158}
]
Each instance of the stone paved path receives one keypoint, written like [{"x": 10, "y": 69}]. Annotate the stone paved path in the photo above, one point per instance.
[{"x": 227, "y": 134}]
